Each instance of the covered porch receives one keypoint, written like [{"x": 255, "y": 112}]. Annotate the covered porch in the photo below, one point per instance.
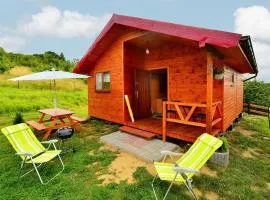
[
  {"x": 171, "y": 88},
  {"x": 181, "y": 121}
]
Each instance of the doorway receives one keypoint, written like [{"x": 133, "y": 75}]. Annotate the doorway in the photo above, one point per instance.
[
  {"x": 151, "y": 89},
  {"x": 158, "y": 90}
]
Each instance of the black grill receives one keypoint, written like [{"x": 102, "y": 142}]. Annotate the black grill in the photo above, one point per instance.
[{"x": 63, "y": 134}]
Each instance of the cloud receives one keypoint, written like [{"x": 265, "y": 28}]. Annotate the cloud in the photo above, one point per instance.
[
  {"x": 52, "y": 22},
  {"x": 255, "y": 21},
  {"x": 12, "y": 43}
]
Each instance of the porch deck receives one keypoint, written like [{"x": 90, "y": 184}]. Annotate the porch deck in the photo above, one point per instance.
[{"x": 178, "y": 131}]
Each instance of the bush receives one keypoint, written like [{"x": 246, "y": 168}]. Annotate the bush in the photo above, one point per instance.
[
  {"x": 257, "y": 92},
  {"x": 225, "y": 145},
  {"x": 18, "y": 119}
]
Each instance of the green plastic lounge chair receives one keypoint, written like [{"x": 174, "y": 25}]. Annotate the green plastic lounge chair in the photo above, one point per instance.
[
  {"x": 30, "y": 149},
  {"x": 188, "y": 164}
]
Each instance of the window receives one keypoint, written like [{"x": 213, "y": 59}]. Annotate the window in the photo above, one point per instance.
[{"x": 103, "y": 81}]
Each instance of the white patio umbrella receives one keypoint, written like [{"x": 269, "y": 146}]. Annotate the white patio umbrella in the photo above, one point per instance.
[{"x": 50, "y": 75}]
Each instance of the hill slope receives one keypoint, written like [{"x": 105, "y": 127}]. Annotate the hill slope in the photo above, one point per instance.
[{"x": 37, "y": 62}]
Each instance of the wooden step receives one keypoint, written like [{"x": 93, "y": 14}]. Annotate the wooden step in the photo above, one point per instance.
[{"x": 134, "y": 131}]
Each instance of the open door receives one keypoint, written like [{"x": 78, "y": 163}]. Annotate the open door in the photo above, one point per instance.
[
  {"x": 142, "y": 94},
  {"x": 159, "y": 90}
]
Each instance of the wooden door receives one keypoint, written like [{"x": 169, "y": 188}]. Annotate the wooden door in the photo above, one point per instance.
[{"x": 142, "y": 94}]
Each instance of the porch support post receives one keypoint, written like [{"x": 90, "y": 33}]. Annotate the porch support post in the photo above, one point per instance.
[
  {"x": 164, "y": 121},
  {"x": 209, "y": 92}
]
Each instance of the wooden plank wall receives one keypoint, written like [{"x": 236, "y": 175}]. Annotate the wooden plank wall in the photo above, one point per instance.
[
  {"x": 233, "y": 97},
  {"x": 186, "y": 71},
  {"x": 133, "y": 58},
  {"x": 109, "y": 106}
]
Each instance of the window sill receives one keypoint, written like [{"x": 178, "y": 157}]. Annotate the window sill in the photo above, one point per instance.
[{"x": 103, "y": 91}]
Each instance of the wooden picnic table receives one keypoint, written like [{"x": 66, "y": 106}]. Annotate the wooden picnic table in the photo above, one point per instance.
[{"x": 58, "y": 118}]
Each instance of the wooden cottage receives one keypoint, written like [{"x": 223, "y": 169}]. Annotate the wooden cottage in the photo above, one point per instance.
[{"x": 169, "y": 73}]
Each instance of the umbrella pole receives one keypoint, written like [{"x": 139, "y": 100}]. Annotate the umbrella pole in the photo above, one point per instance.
[{"x": 54, "y": 99}]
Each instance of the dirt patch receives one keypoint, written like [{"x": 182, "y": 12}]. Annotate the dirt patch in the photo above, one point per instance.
[
  {"x": 251, "y": 152},
  {"x": 209, "y": 172},
  {"x": 244, "y": 132},
  {"x": 108, "y": 147},
  {"x": 87, "y": 138},
  {"x": 205, "y": 194},
  {"x": 94, "y": 164},
  {"x": 255, "y": 188},
  {"x": 123, "y": 167},
  {"x": 103, "y": 147},
  {"x": 268, "y": 186}
]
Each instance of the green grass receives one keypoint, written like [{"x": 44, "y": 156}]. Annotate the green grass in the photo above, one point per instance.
[
  {"x": 26, "y": 100},
  {"x": 257, "y": 123}
]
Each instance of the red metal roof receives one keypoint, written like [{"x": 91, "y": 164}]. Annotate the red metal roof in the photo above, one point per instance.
[{"x": 202, "y": 35}]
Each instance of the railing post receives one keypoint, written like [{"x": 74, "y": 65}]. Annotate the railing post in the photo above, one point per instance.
[
  {"x": 209, "y": 92},
  {"x": 164, "y": 121}
]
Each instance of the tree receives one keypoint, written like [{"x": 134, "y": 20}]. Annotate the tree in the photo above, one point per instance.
[
  {"x": 37, "y": 62},
  {"x": 257, "y": 92},
  {"x": 62, "y": 56}
]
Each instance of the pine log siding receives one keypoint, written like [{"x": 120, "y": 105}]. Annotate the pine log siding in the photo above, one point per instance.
[
  {"x": 186, "y": 71},
  {"x": 233, "y": 97},
  {"x": 186, "y": 68},
  {"x": 110, "y": 105},
  {"x": 133, "y": 58}
]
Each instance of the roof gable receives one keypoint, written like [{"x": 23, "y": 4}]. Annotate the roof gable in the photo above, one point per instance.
[{"x": 201, "y": 35}]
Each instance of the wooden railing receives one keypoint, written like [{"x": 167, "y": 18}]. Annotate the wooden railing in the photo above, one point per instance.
[
  {"x": 193, "y": 114},
  {"x": 258, "y": 110},
  {"x": 217, "y": 112}
]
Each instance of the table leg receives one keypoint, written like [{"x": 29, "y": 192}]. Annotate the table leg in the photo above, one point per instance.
[
  {"x": 73, "y": 123},
  {"x": 41, "y": 118},
  {"x": 51, "y": 127},
  {"x": 62, "y": 121}
]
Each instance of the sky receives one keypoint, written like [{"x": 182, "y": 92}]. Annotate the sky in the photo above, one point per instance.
[{"x": 69, "y": 26}]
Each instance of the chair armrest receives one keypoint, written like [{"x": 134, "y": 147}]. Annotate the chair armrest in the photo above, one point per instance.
[
  {"x": 25, "y": 154},
  {"x": 184, "y": 170},
  {"x": 49, "y": 141},
  {"x": 165, "y": 152}
]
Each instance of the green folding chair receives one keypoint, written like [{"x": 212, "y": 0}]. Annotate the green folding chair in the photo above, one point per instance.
[
  {"x": 30, "y": 149},
  {"x": 186, "y": 166}
]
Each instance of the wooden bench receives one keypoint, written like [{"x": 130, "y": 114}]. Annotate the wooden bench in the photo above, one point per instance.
[
  {"x": 78, "y": 119},
  {"x": 36, "y": 126}
]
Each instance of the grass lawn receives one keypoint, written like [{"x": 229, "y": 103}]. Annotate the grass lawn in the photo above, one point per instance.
[{"x": 247, "y": 176}]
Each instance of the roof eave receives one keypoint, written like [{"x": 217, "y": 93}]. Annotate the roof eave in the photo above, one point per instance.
[{"x": 247, "y": 48}]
